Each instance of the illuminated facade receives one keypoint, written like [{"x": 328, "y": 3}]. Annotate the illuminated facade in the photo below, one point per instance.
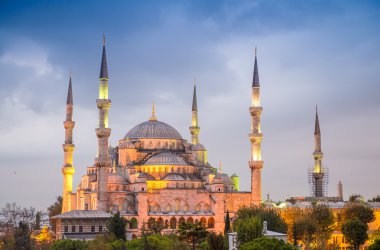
[{"x": 155, "y": 174}]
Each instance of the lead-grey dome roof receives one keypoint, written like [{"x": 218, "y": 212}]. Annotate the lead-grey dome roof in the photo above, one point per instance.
[
  {"x": 153, "y": 129},
  {"x": 165, "y": 159}
]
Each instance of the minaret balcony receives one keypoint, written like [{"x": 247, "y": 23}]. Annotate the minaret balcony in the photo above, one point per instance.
[
  {"x": 103, "y": 162},
  {"x": 103, "y": 103},
  {"x": 103, "y": 132},
  {"x": 255, "y": 111},
  {"x": 255, "y": 137},
  {"x": 69, "y": 124},
  {"x": 67, "y": 147},
  {"x": 68, "y": 170},
  {"x": 256, "y": 164}
]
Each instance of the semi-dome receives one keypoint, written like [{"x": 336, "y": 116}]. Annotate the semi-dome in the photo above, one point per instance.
[
  {"x": 153, "y": 129},
  {"x": 116, "y": 178},
  {"x": 165, "y": 159}
]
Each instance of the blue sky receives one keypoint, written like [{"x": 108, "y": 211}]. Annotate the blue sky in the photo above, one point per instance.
[{"x": 309, "y": 52}]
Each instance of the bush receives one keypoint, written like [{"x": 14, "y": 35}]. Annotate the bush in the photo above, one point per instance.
[
  {"x": 265, "y": 243},
  {"x": 68, "y": 245},
  {"x": 248, "y": 229}
]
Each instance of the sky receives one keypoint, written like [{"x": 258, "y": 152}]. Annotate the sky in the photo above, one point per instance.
[{"x": 314, "y": 52}]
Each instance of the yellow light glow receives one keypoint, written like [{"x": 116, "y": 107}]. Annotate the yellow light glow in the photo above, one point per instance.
[{"x": 156, "y": 185}]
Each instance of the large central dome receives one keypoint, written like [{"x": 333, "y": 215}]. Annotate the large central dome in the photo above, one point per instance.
[{"x": 153, "y": 129}]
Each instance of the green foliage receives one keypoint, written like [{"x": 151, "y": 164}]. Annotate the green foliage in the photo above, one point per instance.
[
  {"x": 305, "y": 228},
  {"x": 68, "y": 245},
  {"x": 265, "y": 243},
  {"x": 275, "y": 221},
  {"x": 355, "y": 198},
  {"x": 216, "y": 241},
  {"x": 192, "y": 233},
  {"x": 355, "y": 232},
  {"x": 376, "y": 198},
  {"x": 248, "y": 229},
  {"x": 38, "y": 221},
  {"x": 53, "y": 210},
  {"x": 360, "y": 211},
  {"x": 117, "y": 226},
  {"x": 227, "y": 223},
  {"x": 157, "y": 242},
  {"x": 324, "y": 219},
  {"x": 375, "y": 245},
  {"x": 22, "y": 237}
]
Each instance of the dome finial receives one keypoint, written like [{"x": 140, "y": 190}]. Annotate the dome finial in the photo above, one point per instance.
[
  {"x": 153, "y": 117},
  {"x": 220, "y": 166}
]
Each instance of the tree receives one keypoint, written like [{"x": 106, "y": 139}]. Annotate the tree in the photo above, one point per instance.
[
  {"x": 355, "y": 232},
  {"x": 53, "y": 210},
  {"x": 265, "y": 243},
  {"x": 44, "y": 237},
  {"x": 192, "y": 233},
  {"x": 216, "y": 241},
  {"x": 22, "y": 237},
  {"x": 38, "y": 221},
  {"x": 305, "y": 228},
  {"x": 375, "y": 245},
  {"x": 68, "y": 245},
  {"x": 272, "y": 217},
  {"x": 117, "y": 226},
  {"x": 355, "y": 198},
  {"x": 227, "y": 223},
  {"x": 375, "y": 199},
  {"x": 248, "y": 229},
  {"x": 360, "y": 211},
  {"x": 324, "y": 219}
]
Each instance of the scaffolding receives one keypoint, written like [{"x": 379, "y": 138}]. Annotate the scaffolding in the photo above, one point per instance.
[{"x": 318, "y": 181}]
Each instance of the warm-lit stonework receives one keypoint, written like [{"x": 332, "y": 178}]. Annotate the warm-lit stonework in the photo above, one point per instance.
[{"x": 153, "y": 172}]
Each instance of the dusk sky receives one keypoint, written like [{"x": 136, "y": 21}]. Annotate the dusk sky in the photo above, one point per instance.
[{"x": 324, "y": 53}]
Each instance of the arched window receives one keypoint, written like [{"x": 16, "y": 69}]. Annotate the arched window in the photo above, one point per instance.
[
  {"x": 133, "y": 223},
  {"x": 181, "y": 221},
  {"x": 168, "y": 208},
  {"x": 203, "y": 221},
  {"x": 198, "y": 208},
  {"x": 206, "y": 208},
  {"x": 160, "y": 222},
  {"x": 211, "y": 222},
  {"x": 190, "y": 220},
  {"x": 151, "y": 223},
  {"x": 186, "y": 208},
  {"x": 173, "y": 223}
]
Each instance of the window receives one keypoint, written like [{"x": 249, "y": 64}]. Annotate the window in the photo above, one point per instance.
[
  {"x": 73, "y": 229},
  {"x": 81, "y": 229},
  {"x": 86, "y": 206},
  {"x": 100, "y": 228},
  {"x": 142, "y": 189},
  {"x": 93, "y": 229},
  {"x": 66, "y": 229}
]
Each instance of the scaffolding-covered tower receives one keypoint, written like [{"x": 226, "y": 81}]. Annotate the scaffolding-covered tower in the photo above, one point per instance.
[
  {"x": 318, "y": 181},
  {"x": 318, "y": 175}
]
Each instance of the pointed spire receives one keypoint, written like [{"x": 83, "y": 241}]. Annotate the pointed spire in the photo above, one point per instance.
[
  {"x": 153, "y": 117},
  {"x": 317, "y": 130},
  {"x": 103, "y": 67},
  {"x": 195, "y": 105},
  {"x": 255, "y": 81},
  {"x": 70, "y": 92},
  {"x": 220, "y": 166}
]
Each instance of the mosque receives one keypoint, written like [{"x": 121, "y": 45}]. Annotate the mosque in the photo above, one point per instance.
[{"x": 153, "y": 174}]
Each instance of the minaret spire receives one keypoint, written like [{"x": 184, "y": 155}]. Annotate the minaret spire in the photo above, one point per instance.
[
  {"x": 103, "y": 66},
  {"x": 194, "y": 128},
  {"x": 255, "y": 137},
  {"x": 68, "y": 148},
  {"x": 255, "y": 79},
  {"x": 317, "y": 130},
  {"x": 103, "y": 160},
  {"x": 153, "y": 117}
]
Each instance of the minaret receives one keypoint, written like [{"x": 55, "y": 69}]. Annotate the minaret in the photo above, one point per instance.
[
  {"x": 68, "y": 148},
  {"x": 103, "y": 161},
  {"x": 318, "y": 173},
  {"x": 194, "y": 129},
  {"x": 255, "y": 137}
]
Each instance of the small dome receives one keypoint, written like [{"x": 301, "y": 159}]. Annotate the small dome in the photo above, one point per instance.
[
  {"x": 173, "y": 177},
  {"x": 147, "y": 176},
  {"x": 165, "y": 159},
  {"x": 153, "y": 129},
  {"x": 198, "y": 147},
  {"x": 116, "y": 178}
]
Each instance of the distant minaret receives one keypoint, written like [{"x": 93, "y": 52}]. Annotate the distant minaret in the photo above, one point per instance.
[
  {"x": 103, "y": 161},
  {"x": 68, "y": 148},
  {"x": 340, "y": 190},
  {"x": 255, "y": 137},
  {"x": 318, "y": 173},
  {"x": 194, "y": 129}
]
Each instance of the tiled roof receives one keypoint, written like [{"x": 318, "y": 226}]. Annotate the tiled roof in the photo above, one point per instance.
[{"x": 83, "y": 214}]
